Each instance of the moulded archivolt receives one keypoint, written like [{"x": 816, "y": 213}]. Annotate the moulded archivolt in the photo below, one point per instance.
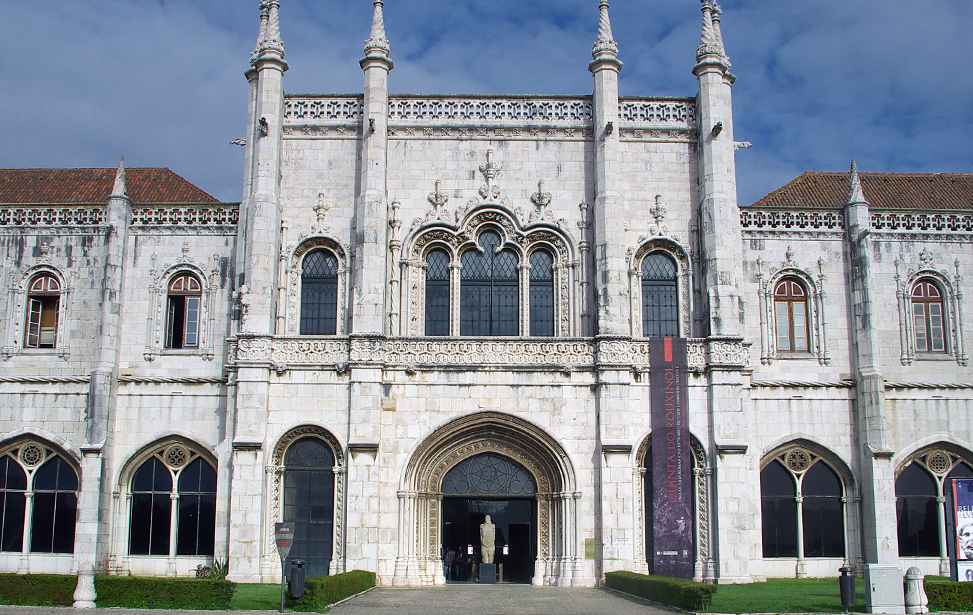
[
  {"x": 684, "y": 278},
  {"x": 160, "y": 277},
  {"x": 487, "y": 212}
]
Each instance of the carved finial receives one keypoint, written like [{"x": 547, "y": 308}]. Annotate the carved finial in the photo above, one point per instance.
[
  {"x": 605, "y": 48},
  {"x": 855, "y": 194},
  {"x": 583, "y": 223},
  {"x": 438, "y": 199},
  {"x": 119, "y": 188},
  {"x": 926, "y": 258},
  {"x": 658, "y": 210},
  {"x": 541, "y": 200},
  {"x": 268, "y": 38},
  {"x": 711, "y": 39},
  {"x": 321, "y": 207},
  {"x": 490, "y": 170},
  {"x": 377, "y": 46}
]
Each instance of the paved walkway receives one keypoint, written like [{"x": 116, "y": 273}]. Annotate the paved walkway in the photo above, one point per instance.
[{"x": 494, "y": 600}]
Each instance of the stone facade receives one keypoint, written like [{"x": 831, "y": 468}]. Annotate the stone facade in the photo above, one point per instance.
[{"x": 380, "y": 181}]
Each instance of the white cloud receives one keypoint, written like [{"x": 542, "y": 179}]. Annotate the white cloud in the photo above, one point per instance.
[{"x": 820, "y": 81}]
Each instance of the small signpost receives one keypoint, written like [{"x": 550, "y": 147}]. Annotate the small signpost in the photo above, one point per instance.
[{"x": 284, "y": 536}]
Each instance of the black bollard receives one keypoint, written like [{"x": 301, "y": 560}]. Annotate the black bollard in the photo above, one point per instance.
[{"x": 846, "y": 584}]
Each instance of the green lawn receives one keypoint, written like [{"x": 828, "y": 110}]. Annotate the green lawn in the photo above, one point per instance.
[
  {"x": 785, "y": 596},
  {"x": 256, "y": 597}
]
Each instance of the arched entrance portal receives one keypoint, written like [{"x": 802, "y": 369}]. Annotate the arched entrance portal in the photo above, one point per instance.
[
  {"x": 423, "y": 502},
  {"x": 491, "y": 484}
]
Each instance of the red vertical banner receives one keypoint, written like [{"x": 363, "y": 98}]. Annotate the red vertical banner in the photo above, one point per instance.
[{"x": 672, "y": 485}]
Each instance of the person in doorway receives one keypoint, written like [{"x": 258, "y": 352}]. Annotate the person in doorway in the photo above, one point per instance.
[
  {"x": 460, "y": 563},
  {"x": 448, "y": 568}
]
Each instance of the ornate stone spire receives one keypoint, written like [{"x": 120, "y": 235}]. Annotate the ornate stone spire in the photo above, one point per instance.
[
  {"x": 711, "y": 40},
  {"x": 268, "y": 39},
  {"x": 377, "y": 46},
  {"x": 605, "y": 45},
  {"x": 855, "y": 194},
  {"x": 118, "y": 190}
]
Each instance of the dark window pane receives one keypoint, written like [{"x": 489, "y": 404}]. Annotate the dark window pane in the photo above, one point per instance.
[
  {"x": 659, "y": 303},
  {"x": 151, "y": 509},
  {"x": 196, "y": 528},
  {"x": 437, "y": 293},
  {"x": 960, "y": 471},
  {"x": 489, "y": 293},
  {"x": 918, "y": 520},
  {"x": 319, "y": 294},
  {"x": 778, "y": 511},
  {"x": 12, "y": 532},
  {"x": 54, "y": 508},
  {"x": 821, "y": 480},
  {"x": 822, "y": 509},
  {"x": 14, "y": 476},
  {"x": 541, "y": 293}
]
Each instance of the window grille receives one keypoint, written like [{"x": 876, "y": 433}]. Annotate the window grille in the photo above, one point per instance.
[
  {"x": 660, "y": 311},
  {"x": 489, "y": 294},
  {"x": 319, "y": 294},
  {"x": 437, "y": 293},
  {"x": 541, "y": 293}
]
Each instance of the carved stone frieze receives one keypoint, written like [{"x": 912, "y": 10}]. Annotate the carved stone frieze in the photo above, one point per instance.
[
  {"x": 433, "y": 351},
  {"x": 52, "y": 216}
]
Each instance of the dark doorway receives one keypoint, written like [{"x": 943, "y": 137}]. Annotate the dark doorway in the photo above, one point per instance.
[
  {"x": 516, "y": 521},
  {"x": 309, "y": 504}
]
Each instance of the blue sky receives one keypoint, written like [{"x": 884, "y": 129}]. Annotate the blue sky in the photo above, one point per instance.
[{"x": 161, "y": 81}]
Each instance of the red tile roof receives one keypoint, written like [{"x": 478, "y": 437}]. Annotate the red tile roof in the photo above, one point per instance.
[
  {"x": 882, "y": 191},
  {"x": 93, "y": 186}
]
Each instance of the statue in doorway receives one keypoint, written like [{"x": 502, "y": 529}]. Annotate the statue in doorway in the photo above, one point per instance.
[{"x": 488, "y": 541}]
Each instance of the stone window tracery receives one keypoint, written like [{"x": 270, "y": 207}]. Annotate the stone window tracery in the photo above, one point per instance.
[
  {"x": 802, "y": 507},
  {"x": 182, "y": 311},
  {"x": 930, "y": 313},
  {"x": 478, "y": 278},
  {"x": 920, "y": 502},
  {"x": 38, "y": 500},
  {"x": 316, "y": 283},
  {"x": 172, "y": 503},
  {"x": 660, "y": 275},
  {"x": 792, "y": 315},
  {"x": 38, "y": 313}
]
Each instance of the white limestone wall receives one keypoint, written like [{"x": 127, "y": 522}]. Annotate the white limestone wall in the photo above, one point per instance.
[{"x": 313, "y": 170}]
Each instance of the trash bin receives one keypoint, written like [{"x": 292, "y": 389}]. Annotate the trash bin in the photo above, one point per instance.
[
  {"x": 846, "y": 583},
  {"x": 296, "y": 581}
]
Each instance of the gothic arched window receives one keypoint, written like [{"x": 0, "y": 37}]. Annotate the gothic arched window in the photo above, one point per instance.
[
  {"x": 660, "y": 307},
  {"x": 790, "y": 316},
  {"x": 43, "y": 302},
  {"x": 437, "y": 293},
  {"x": 39, "y": 487},
  {"x": 55, "y": 507},
  {"x": 319, "y": 293},
  {"x": 919, "y": 491},
  {"x": 927, "y": 314},
  {"x": 309, "y": 503},
  {"x": 489, "y": 294},
  {"x": 801, "y": 507},
  {"x": 174, "y": 485},
  {"x": 182, "y": 312},
  {"x": 541, "y": 293}
]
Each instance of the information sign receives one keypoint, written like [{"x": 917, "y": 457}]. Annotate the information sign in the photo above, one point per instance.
[
  {"x": 284, "y": 535},
  {"x": 963, "y": 522}
]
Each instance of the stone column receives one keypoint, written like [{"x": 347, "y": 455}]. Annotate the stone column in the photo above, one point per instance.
[{"x": 883, "y": 575}]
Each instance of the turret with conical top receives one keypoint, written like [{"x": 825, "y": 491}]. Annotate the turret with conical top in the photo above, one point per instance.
[
  {"x": 260, "y": 219},
  {"x": 719, "y": 218}
]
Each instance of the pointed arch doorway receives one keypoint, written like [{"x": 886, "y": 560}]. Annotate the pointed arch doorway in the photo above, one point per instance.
[
  {"x": 494, "y": 485},
  {"x": 424, "y": 502}
]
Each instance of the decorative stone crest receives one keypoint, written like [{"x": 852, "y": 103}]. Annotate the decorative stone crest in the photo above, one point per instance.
[
  {"x": 321, "y": 208},
  {"x": 438, "y": 198},
  {"x": 541, "y": 200}
]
